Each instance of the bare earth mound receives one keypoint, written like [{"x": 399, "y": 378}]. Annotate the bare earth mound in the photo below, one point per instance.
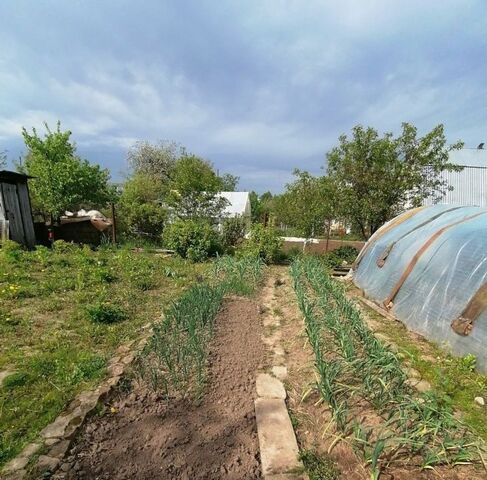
[{"x": 151, "y": 438}]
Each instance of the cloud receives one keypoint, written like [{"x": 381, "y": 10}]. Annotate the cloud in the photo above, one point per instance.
[{"x": 258, "y": 88}]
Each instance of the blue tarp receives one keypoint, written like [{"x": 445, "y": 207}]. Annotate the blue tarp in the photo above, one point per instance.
[{"x": 433, "y": 263}]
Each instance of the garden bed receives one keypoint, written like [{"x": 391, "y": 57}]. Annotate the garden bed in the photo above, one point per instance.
[{"x": 146, "y": 435}]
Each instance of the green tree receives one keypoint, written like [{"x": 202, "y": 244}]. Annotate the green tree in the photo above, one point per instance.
[
  {"x": 261, "y": 206},
  {"x": 3, "y": 159},
  {"x": 379, "y": 176},
  {"x": 140, "y": 207},
  {"x": 228, "y": 182},
  {"x": 193, "y": 188},
  {"x": 62, "y": 180},
  {"x": 309, "y": 204}
]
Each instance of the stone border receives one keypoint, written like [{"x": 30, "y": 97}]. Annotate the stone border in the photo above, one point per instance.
[
  {"x": 279, "y": 451},
  {"x": 57, "y": 437}
]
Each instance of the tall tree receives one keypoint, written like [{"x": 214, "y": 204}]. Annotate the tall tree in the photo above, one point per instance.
[
  {"x": 379, "y": 176},
  {"x": 62, "y": 180},
  {"x": 309, "y": 204},
  {"x": 155, "y": 160},
  {"x": 193, "y": 189}
]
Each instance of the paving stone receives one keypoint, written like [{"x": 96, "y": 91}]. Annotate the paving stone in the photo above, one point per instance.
[
  {"x": 46, "y": 464},
  {"x": 57, "y": 428},
  {"x": 280, "y": 372},
  {"x": 59, "y": 449},
  {"x": 278, "y": 447},
  {"x": 18, "y": 463},
  {"x": 270, "y": 387}
]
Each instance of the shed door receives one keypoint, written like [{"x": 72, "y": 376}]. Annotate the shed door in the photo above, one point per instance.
[{"x": 12, "y": 212}]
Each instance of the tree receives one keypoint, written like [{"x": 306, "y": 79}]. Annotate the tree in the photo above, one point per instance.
[
  {"x": 309, "y": 204},
  {"x": 3, "y": 159},
  {"x": 193, "y": 188},
  {"x": 261, "y": 206},
  {"x": 155, "y": 160},
  {"x": 62, "y": 180},
  {"x": 140, "y": 208},
  {"x": 228, "y": 182},
  {"x": 378, "y": 177}
]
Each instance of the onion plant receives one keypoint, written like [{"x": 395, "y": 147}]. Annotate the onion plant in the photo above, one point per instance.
[{"x": 349, "y": 358}]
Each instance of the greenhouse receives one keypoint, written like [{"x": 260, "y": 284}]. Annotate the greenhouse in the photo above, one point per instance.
[{"x": 428, "y": 267}]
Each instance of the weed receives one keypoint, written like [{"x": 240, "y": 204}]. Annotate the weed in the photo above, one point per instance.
[
  {"x": 319, "y": 467},
  {"x": 104, "y": 312}
]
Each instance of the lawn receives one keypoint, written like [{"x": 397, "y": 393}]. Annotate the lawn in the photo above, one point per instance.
[{"x": 63, "y": 312}]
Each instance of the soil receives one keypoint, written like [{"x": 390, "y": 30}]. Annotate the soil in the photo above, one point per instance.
[{"x": 145, "y": 437}]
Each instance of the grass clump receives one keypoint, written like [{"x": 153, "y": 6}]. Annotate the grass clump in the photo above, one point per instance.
[
  {"x": 104, "y": 312},
  {"x": 319, "y": 467}
]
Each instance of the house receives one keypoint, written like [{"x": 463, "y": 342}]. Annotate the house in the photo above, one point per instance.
[
  {"x": 238, "y": 205},
  {"x": 15, "y": 210},
  {"x": 470, "y": 184}
]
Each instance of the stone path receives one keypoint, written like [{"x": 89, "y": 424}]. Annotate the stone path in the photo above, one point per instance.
[{"x": 279, "y": 450}]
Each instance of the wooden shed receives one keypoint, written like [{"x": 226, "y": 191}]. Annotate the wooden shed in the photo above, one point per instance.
[{"x": 15, "y": 208}]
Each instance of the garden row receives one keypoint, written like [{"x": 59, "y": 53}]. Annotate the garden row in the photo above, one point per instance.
[{"x": 362, "y": 381}]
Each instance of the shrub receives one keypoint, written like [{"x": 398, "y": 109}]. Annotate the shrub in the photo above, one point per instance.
[
  {"x": 337, "y": 257},
  {"x": 60, "y": 246},
  {"x": 233, "y": 232},
  {"x": 11, "y": 251},
  {"x": 107, "y": 313},
  {"x": 192, "y": 239},
  {"x": 263, "y": 242}
]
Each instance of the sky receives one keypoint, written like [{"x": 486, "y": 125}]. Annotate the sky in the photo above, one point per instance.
[{"x": 257, "y": 87}]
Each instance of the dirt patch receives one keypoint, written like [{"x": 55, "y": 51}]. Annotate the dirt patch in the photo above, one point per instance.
[{"x": 146, "y": 437}]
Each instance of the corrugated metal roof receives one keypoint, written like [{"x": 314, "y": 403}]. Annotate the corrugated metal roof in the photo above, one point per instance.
[{"x": 469, "y": 185}]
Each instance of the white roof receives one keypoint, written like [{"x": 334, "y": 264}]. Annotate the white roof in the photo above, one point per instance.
[{"x": 237, "y": 202}]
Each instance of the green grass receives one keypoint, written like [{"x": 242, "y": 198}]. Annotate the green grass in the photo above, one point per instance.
[
  {"x": 319, "y": 467},
  {"x": 62, "y": 315}
]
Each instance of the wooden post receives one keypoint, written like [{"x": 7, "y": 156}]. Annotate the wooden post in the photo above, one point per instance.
[{"x": 114, "y": 224}]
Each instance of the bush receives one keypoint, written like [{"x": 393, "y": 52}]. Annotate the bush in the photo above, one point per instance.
[
  {"x": 11, "y": 251},
  {"x": 263, "y": 242},
  {"x": 337, "y": 257},
  {"x": 104, "y": 312},
  {"x": 233, "y": 232},
  {"x": 192, "y": 239}
]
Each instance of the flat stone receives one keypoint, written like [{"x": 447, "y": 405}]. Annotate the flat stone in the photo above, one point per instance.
[
  {"x": 17, "y": 463},
  {"x": 280, "y": 372},
  {"x": 59, "y": 449},
  {"x": 279, "y": 451},
  {"x": 479, "y": 401},
  {"x": 412, "y": 373},
  {"x": 422, "y": 386},
  {"x": 18, "y": 475},
  {"x": 270, "y": 387},
  {"x": 116, "y": 369},
  {"x": 56, "y": 429},
  {"x": 46, "y": 464}
]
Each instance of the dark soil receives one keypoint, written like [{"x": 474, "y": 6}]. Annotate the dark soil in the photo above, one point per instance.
[{"x": 145, "y": 437}]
